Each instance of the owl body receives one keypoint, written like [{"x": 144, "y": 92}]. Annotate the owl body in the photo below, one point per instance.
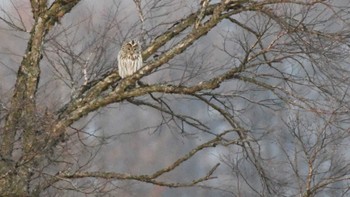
[{"x": 129, "y": 58}]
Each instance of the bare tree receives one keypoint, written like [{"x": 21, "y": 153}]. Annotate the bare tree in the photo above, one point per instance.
[{"x": 260, "y": 87}]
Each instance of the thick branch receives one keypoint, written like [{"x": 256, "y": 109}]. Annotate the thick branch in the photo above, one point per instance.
[
  {"x": 58, "y": 9},
  {"x": 183, "y": 24},
  {"x": 22, "y": 113},
  {"x": 83, "y": 106},
  {"x": 94, "y": 88}
]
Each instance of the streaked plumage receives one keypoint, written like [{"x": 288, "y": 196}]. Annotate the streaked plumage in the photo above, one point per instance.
[{"x": 129, "y": 58}]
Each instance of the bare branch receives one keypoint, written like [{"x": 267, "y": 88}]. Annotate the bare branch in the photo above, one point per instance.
[{"x": 151, "y": 178}]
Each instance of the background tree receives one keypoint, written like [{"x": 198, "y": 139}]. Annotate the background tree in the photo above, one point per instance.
[{"x": 260, "y": 87}]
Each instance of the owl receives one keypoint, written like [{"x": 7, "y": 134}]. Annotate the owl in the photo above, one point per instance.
[{"x": 129, "y": 58}]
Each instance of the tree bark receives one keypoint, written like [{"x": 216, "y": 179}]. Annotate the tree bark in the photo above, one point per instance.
[{"x": 22, "y": 117}]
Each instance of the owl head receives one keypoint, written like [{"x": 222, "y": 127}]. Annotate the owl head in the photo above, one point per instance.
[{"x": 132, "y": 46}]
